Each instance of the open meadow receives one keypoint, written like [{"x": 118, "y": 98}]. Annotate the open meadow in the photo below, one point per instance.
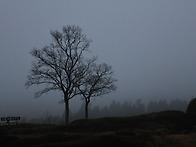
[{"x": 166, "y": 128}]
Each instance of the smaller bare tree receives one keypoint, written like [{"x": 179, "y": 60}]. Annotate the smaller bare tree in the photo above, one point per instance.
[{"x": 99, "y": 81}]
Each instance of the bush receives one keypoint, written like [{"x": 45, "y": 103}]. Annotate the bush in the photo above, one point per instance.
[{"x": 191, "y": 109}]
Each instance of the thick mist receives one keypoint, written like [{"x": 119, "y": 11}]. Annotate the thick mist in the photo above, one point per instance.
[{"x": 150, "y": 45}]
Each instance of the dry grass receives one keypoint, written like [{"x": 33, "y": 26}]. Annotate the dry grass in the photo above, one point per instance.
[
  {"x": 174, "y": 140},
  {"x": 155, "y": 129}
]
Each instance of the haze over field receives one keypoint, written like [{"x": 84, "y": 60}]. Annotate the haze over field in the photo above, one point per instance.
[{"x": 151, "y": 46}]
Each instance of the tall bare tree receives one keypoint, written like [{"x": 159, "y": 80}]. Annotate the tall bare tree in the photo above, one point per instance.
[
  {"x": 61, "y": 65},
  {"x": 98, "y": 81}
]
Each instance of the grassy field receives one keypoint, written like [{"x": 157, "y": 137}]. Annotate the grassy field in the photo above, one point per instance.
[{"x": 167, "y": 128}]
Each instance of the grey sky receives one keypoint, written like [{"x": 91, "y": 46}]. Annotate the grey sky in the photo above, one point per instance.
[{"x": 150, "y": 44}]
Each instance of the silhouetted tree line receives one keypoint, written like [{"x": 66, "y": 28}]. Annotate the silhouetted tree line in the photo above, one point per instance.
[
  {"x": 128, "y": 108},
  {"x": 115, "y": 109}
]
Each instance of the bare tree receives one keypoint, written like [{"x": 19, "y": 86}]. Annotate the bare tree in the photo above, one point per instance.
[
  {"x": 99, "y": 81},
  {"x": 61, "y": 65}
]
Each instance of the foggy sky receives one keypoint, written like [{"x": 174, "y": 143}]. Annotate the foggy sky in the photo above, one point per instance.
[{"x": 151, "y": 46}]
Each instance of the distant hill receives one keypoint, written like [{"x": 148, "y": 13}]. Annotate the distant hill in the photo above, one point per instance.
[{"x": 165, "y": 119}]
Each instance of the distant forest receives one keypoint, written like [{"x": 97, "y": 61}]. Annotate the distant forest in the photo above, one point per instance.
[{"x": 115, "y": 109}]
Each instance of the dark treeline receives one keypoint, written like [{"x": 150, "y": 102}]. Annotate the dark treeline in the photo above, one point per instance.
[
  {"x": 127, "y": 108},
  {"x": 115, "y": 109}
]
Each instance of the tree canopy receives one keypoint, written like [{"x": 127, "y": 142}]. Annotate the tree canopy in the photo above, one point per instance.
[{"x": 62, "y": 66}]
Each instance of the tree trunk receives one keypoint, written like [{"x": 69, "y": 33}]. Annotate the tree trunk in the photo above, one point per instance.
[
  {"x": 66, "y": 110},
  {"x": 86, "y": 109}
]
